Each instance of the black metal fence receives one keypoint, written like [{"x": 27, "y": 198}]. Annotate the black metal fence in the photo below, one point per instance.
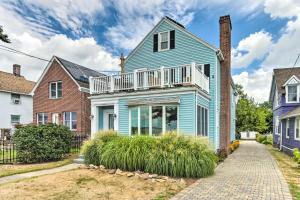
[{"x": 8, "y": 150}]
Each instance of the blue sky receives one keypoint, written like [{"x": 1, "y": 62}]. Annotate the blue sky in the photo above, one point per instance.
[{"x": 94, "y": 33}]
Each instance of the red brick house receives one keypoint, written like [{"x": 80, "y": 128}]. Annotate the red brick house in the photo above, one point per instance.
[{"x": 61, "y": 96}]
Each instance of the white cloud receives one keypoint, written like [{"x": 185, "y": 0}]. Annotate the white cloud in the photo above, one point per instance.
[
  {"x": 256, "y": 84},
  {"x": 282, "y": 9},
  {"x": 252, "y": 48}
]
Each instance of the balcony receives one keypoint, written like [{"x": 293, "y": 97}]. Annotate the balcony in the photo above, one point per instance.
[{"x": 143, "y": 79}]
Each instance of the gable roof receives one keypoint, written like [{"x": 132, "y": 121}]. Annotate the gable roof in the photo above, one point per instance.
[
  {"x": 15, "y": 84},
  {"x": 282, "y": 75},
  {"x": 79, "y": 74},
  {"x": 179, "y": 27}
]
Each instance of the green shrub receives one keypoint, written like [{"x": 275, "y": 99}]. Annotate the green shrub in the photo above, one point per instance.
[
  {"x": 42, "y": 143},
  {"x": 296, "y": 156},
  {"x": 264, "y": 139},
  {"x": 168, "y": 155}
]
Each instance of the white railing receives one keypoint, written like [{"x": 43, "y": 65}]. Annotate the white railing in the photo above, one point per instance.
[{"x": 183, "y": 75}]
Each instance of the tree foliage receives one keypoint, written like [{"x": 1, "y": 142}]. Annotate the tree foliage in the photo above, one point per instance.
[
  {"x": 252, "y": 116},
  {"x": 3, "y": 37}
]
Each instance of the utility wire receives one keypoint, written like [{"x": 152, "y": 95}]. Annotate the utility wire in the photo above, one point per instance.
[{"x": 12, "y": 50}]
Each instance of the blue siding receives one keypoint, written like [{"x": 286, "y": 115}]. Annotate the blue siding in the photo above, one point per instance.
[
  {"x": 187, "y": 50},
  {"x": 186, "y": 117}
]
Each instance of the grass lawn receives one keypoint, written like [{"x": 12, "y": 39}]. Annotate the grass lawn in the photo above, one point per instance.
[
  {"x": 89, "y": 184},
  {"x": 7, "y": 170},
  {"x": 289, "y": 169}
]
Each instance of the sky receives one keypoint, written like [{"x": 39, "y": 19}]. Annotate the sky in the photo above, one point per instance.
[{"x": 265, "y": 34}]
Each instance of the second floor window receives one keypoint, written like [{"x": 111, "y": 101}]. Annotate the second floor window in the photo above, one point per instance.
[
  {"x": 15, "y": 98},
  {"x": 164, "y": 41},
  {"x": 292, "y": 93},
  {"x": 55, "y": 90}
]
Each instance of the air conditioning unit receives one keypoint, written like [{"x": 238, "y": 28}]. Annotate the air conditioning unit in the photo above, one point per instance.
[{"x": 16, "y": 101}]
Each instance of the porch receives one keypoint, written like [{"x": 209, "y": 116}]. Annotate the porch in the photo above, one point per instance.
[{"x": 145, "y": 79}]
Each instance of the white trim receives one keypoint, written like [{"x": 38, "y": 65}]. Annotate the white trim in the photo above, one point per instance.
[
  {"x": 290, "y": 79},
  {"x": 159, "y": 92},
  {"x": 287, "y": 94},
  {"x": 47, "y": 69},
  {"x": 159, "y": 41},
  {"x": 287, "y": 147},
  {"x": 178, "y": 28},
  {"x": 217, "y": 113}
]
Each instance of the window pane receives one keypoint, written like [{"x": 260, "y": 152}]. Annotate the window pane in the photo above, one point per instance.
[
  {"x": 164, "y": 37},
  {"x": 53, "y": 90},
  {"x": 40, "y": 117},
  {"x": 292, "y": 93},
  {"x": 15, "y": 119},
  {"x": 74, "y": 116},
  {"x": 206, "y": 123},
  {"x": 59, "y": 89},
  {"x": 198, "y": 120},
  {"x": 171, "y": 118},
  {"x": 156, "y": 120},
  {"x": 134, "y": 121},
  {"x": 203, "y": 121},
  {"x": 144, "y": 120},
  {"x": 67, "y": 116},
  {"x": 111, "y": 121},
  {"x": 45, "y": 118},
  {"x": 164, "y": 45},
  {"x": 74, "y": 125}
]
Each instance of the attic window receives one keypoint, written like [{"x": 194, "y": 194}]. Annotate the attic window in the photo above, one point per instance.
[
  {"x": 292, "y": 93},
  {"x": 55, "y": 90},
  {"x": 164, "y": 41}
]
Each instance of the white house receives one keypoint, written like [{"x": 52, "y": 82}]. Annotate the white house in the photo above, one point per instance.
[
  {"x": 15, "y": 100},
  {"x": 248, "y": 135}
]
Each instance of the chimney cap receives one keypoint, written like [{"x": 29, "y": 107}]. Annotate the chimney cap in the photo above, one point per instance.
[{"x": 225, "y": 19}]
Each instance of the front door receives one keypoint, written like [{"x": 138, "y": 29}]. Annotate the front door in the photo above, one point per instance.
[
  {"x": 55, "y": 118},
  {"x": 108, "y": 119}
]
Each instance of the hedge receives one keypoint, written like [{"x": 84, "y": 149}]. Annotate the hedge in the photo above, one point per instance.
[
  {"x": 42, "y": 143},
  {"x": 169, "y": 155}
]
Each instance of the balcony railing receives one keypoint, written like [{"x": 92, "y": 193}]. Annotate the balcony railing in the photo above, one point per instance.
[{"x": 143, "y": 79}]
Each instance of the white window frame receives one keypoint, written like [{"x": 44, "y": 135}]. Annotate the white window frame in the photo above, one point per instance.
[
  {"x": 287, "y": 94},
  {"x": 15, "y": 122},
  {"x": 297, "y": 118},
  {"x": 150, "y": 119},
  {"x": 43, "y": 118},
  {"x": 277, "y": 122},
  {"x": 287, "y": 127},
  {"x": 71, "y": 120},
  {"x": 205, "y": 108},
  {"x": 13, "y": 98},
  {"x": 159, "y": 41},
  {"x": 56, "y": 90}
]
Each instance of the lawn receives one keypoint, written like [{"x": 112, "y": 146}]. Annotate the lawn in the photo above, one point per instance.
[
  {"x": 7, "y": 170},
  {"x": 90, "y": 184},
  {"x": 289, "y": 169}
]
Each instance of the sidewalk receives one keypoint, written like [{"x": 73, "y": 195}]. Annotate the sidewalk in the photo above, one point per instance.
[{"x": 17, "y": 177}]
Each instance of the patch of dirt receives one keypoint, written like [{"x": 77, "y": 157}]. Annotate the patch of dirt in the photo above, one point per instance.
[{"x": 89, "y": 184}]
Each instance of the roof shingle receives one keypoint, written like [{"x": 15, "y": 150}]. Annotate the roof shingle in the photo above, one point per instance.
[
  {"x": 16, "y": 84},
  {"x": 281, "y": 75}
]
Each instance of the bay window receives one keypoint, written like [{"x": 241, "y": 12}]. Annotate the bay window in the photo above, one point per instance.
[
  {"x": 70, "y": 120},
  {"x": 152, "y": 120},
  {"x": 292, "y": 94}
]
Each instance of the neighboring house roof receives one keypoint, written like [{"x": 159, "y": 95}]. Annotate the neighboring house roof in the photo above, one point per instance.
[
  {"x": 292, "y": 113},
  {"x": 281, "y": 76},
  {"x": 79, "y": 74},
  {"x": 15, "y": 84},
  {"x": 181, "y": 28}
]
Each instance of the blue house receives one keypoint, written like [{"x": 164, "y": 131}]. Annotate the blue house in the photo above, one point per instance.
[
  {"x": 284, "y": 95},
  {"x": 172, "y": 81}
]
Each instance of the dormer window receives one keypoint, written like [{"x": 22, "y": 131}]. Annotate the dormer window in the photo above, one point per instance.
[{"x": 292, "y": 93}]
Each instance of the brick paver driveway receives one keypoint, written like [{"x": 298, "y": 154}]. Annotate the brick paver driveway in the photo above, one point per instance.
[{"x": 249, "y": 173}]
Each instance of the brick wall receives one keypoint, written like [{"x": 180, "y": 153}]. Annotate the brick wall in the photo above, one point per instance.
[
  {"x": 225, "y": 46},
  {"x": 72, "y": 99}
]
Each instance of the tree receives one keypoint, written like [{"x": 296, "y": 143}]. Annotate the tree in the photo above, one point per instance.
[
  {"x": 252, "y": 116},
  {"x": 3, "y": 37}
]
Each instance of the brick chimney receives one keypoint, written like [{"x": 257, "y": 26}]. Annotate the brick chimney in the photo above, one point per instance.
[
  {"x": 225, "y": 116},
  {"x": 122, "y": 63},
  {"x": 17, "y": 70}
]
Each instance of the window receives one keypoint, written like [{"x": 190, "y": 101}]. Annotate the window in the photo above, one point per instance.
[
  {"x": 42, "y": 118},
  {"x": 111, "y": 121},
  {"x": 55, "y": 90},
  {"x": 15, "y": 119},
  {"x": 152, "y": 120},
  {"x": 287, "y": 133},
  {"x": 164, "y": 41},
  {"x": 70, "y": 120},
  {"x": 15, "y": 98},
  {"x": 292, "y": 93},
  {"x": 297, "y": 127},
  {"x": 171, "y": 118},
  {"x": 277, "y": 126},
  {"x": 202, "y": 121},
  {"x": 157, "y": 122}
]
